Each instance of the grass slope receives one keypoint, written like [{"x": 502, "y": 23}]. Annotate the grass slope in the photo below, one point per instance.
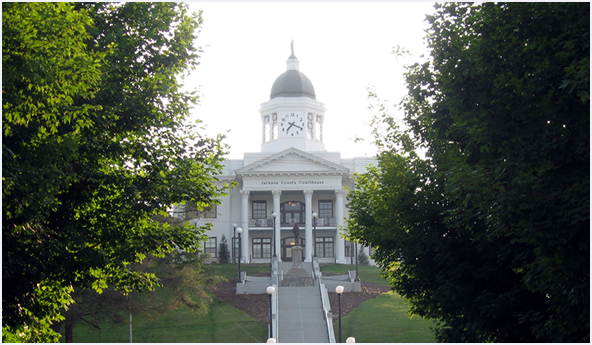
[
  {"x": 384, "y": 319},
  {"x": 368, "y": 274},
  {"x": 381, "y": 319},
  {"x": 223, "y": 324}
]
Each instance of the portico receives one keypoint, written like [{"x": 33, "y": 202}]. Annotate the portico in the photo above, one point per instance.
[{"x": 304, "y": 185}]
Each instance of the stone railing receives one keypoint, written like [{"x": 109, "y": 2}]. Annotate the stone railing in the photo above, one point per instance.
[
  {"x": 325, "y": 222},
  {"x": 261, "y": 223},
  {"x": 268, "y": 223}
]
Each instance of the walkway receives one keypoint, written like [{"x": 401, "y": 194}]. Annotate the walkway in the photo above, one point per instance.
[{"x": 300, "y": 315}]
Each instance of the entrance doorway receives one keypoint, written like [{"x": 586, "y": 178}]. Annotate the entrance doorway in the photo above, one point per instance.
[{"x": 287, "y": 244}]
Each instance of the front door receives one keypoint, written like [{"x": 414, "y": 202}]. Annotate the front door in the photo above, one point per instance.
[{"x": 287, "y": 244}]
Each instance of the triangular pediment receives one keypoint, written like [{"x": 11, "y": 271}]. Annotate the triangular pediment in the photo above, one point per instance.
[{"x": 292, "y": 161}]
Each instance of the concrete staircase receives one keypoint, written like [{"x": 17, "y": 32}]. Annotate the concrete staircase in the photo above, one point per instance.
[{"x": 300, "y": 315}]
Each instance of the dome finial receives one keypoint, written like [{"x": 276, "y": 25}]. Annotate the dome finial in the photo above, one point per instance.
[
  {"x": 292, "y": 60},
  {"x": 292, "y": 57}
]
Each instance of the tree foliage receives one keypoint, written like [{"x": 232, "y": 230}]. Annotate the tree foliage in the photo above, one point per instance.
[
  {"x": 489, "y": 234},
  {"x": 223, "y": 252},
  {"x": 363, "y": 259},
  {"x": 183, "y": 281},
  {"x": 95, "y": 143}
]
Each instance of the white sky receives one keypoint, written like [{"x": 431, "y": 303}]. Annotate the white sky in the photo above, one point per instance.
[{"x": 343, "y": 48}]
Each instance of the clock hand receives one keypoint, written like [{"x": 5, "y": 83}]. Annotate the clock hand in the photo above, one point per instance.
[
  {"x": 294, "y": 124},
  {"x": 290, "y": 126}
]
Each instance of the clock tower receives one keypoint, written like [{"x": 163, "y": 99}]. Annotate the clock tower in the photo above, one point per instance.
[{"x": 292, "y": 117}]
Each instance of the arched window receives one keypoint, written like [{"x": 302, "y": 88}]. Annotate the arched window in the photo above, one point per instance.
[{"x": 292, "y": 212}]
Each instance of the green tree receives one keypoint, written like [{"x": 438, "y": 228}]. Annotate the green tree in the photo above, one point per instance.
[
  {"x": 489, "y": 234},
  {"x": 95, "y": 143},
  {"x": 223, "y": 252},
  {"x": 363, "y": 259}
]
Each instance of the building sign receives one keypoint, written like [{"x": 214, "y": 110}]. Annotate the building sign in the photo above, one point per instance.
[{"x": 290, "y": 183}]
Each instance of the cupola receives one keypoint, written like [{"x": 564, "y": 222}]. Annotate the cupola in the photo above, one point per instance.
[{"x": 292, "y": 117}]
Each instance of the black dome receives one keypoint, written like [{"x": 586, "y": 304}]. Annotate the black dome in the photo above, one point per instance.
[{"x": 292, "y": 83}]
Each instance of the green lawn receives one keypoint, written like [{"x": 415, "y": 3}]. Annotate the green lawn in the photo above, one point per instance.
[
  {"x": 368, "y": 274},
  {"x": 223, "y": 324},
  {"x": 379, "y": 320},
  {"x": 384, "y": 319}
]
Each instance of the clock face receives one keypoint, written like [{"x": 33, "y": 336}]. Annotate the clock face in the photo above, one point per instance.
[{"x": 292, "y": 125}]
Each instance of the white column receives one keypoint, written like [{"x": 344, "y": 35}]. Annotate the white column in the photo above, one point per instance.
[
  {"x": 339, "y": 214},
  {"x": 245, "y": 252},
  {"x": 308, "y": 225},
  {"x": 278, "y": 234}
]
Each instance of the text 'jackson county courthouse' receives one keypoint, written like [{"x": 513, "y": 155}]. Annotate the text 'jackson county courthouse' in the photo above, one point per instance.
[{"x": 293, "y": 177}]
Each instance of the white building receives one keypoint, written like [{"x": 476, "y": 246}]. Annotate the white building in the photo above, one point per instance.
[{"x": 293, "y": 177}]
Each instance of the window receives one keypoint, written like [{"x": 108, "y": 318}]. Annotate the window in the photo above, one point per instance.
[
  {"x": 292, "y": 212},
  {"x": 319, "y": 128},
  {"x": 261, "y": 248},
  {"x": 259, "y": 209},
  {"x": 325, "y": 208},
  {"x": 211, "y": 246},
  {"x": 309, "y": 126},
  {"x": 266, "y": 129},
  {"x": 190, "y": 211},
  {"x": 349, "y": 249},
  {"x": 324, "y": 247},
  {"x": 274, "y": 127},
  {"x": 235, "y": 249},
  {"x": 209, "y": 212}
]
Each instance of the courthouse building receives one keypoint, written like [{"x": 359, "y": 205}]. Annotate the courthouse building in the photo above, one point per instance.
[{"x": 293, "y": 177}]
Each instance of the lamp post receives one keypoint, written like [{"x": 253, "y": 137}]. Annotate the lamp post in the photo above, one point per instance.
[
  {"x": 129, "y": 298},
  {"x": 270, "y": 290},
  {"x": 233, "y": 237},
  {"x": 356, "y": 250},
  {"x": 339, "y": 291},
  {"x": 314, "y": 233},
  {"x": 274, "y": 215},
  {"x": 239, "y": 231}
]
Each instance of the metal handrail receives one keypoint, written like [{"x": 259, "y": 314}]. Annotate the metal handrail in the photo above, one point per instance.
[
  {"x": 327, "y": 315},
  {"x": 275, "y": 298},
  {"x": 351, "y": 275},
  {"x": 274, "y": 314},
  {"x": 316, "y": 269},
  {"x": 330, "y": 328}
]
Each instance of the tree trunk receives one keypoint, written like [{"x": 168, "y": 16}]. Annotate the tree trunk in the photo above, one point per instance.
[{"x": 69, "y": 329}]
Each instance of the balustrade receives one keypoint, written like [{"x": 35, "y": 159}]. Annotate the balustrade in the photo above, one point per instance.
[{"x": 268, "y": 223}]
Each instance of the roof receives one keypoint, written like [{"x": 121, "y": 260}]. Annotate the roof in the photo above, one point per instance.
[{"x": 292, "y": 83}]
